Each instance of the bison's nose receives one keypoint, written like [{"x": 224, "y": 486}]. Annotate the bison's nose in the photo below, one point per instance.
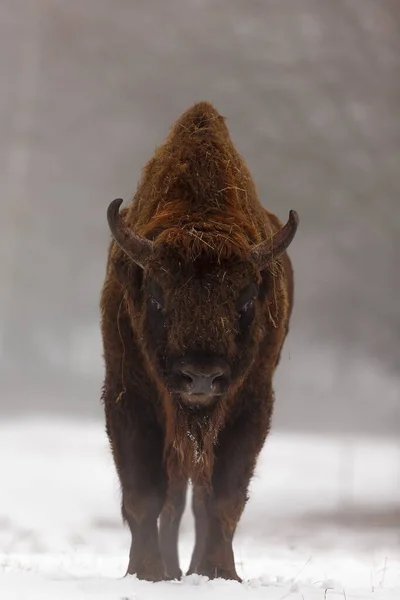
[{"x": 203, "y": 380}]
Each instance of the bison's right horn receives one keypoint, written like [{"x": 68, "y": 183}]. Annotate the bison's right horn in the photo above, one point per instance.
[
  {"x": 137, "y": 248},
  {"x": 273, "y": 248}
]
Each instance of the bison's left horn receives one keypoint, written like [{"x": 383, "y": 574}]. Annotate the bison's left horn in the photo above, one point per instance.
[
  {"x": 137, "y": 248},
  {"x": 273, "y": 248}
]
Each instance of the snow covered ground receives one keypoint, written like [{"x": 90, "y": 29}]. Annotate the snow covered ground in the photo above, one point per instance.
[{"x": 323, "y": 521}]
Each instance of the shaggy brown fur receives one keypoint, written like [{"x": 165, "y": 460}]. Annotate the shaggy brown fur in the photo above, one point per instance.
[{"x": 186, "y": 299}]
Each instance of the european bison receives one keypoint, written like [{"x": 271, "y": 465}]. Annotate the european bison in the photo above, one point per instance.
[{"x": 195, "y": 309}]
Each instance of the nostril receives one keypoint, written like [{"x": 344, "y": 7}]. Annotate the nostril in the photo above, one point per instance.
[
  {"x": 196, "y": 383},
  {"x": 216, "y": 377},
  {"x": 203, "y": 379},
  {"x": 219, "y": 383},
  {"x": 186, "y": 377}
]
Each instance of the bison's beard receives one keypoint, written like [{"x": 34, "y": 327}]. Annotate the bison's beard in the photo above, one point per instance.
[{"x": 191, "y": 435}]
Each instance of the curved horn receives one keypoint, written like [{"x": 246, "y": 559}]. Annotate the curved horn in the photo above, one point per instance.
[
  {"x": 136, "y": 247},
  {"x": 273, "y": 248}
]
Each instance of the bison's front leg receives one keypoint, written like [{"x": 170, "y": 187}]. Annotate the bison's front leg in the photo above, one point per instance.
[
  {"x": 235, "y": 458},
  {"x": 137, "y": 445},
  {"x": 169, "y": 527}
]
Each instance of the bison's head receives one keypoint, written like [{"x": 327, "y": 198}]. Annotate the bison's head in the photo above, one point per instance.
[{"x": 202, "y": 304}]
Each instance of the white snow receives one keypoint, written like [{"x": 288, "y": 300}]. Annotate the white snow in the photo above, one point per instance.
[{"x": 323, "y": 521}]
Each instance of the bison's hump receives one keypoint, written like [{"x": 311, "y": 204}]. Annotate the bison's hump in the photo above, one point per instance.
[{"x": 200, "y": 117}]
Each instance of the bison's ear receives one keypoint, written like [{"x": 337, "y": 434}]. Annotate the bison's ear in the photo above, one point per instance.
[
  {"x": 128, "y": 273},
  {"x": 135, "y": 247},
  {"x": 272, "y": 249}
]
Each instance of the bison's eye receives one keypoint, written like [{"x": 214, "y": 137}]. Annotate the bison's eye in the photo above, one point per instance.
[
  {"x": 247, "y": 306},
  {"x": 247, "y": 298},
  {"x": 155, "y": 304},
  {"x": 155, "y": 296}
]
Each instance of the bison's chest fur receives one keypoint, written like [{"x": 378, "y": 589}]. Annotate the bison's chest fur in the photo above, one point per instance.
[{"x": 190, "y": 441}]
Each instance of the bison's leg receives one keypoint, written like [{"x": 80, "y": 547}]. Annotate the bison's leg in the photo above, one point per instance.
[
  {"x": 201, "y": 526},
  {"x": 138, "y": 453},
  {"x": 235, "y": 458},
  {"x": 169, "y": 527}
]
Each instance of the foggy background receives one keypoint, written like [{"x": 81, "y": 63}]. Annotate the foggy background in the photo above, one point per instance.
[{"x": 311, "y": 93}]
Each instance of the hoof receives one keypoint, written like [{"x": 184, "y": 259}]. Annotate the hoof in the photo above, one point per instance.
[
  {"x": 153, "y": 573},
  {"x": 213, "y": 572},
  {"x": 174, "y": 575}
]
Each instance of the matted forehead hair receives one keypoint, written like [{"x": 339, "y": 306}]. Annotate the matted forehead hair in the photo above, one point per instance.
[{"x": 212, "y": 242}]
